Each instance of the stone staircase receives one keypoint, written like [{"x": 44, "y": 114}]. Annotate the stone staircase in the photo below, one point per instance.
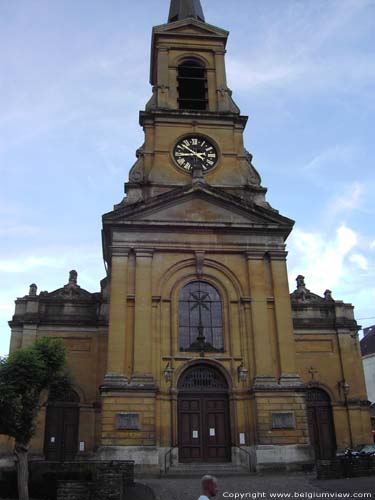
[{"x": 224, "y": 469}]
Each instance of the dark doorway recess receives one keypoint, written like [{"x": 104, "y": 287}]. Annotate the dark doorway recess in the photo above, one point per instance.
[
  {"x": 203, "y": 416},
  {"x": 61, "y": 430},
  {"x": 321, "y": 426}
]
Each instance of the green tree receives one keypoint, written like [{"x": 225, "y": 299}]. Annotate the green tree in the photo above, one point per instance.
[{"x": 24, "y": 376}]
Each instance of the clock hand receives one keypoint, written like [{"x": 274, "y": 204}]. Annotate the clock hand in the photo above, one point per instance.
[
  {"x": 183, "y": 154},
  {"x": 199, "y": 155}
]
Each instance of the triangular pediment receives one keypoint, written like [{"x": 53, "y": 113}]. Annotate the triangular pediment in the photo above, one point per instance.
[
  {"x": 197, "y": 209},
  {"x": 189, "y": 26},
  {"x": 197, "y": 206}
]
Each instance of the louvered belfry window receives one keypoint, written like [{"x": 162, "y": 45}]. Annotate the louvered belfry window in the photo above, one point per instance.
[
  {"x": 192, "y": 85},
  {"x": 200, "y": 318}
]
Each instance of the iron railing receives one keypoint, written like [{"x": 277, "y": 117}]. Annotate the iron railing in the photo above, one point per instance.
[{"x": 248, "y": 456}]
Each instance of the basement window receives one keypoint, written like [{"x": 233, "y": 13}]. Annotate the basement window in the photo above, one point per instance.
[{"x": 192, "y": 85}]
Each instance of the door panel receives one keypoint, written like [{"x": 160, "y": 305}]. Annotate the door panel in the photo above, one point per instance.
[
  {"x": 190, "y": 435},
  {"x": 52, "y": 441},
  {"x": 216, "y": 430},
  {"x": 326, "y": 432}
]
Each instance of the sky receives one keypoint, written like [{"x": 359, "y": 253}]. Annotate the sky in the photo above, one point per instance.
[{"x": 73, "y": 77}]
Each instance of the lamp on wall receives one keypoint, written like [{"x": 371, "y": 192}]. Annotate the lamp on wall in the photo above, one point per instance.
[
  {"x": 242, "y": 373},
  {"x": 168, "y": 373},
  {"x": 345, "y": 387}
]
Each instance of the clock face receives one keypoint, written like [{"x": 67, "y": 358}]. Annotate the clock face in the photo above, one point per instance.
[{"x": 195, "y": 150}]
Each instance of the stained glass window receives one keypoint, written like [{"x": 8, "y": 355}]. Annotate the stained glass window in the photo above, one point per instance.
[{"x": 200, "y": 318}]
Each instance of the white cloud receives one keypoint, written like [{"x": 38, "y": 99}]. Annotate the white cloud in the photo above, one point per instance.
[
  {"x": 321, "y": 258},
  {"x": 372, "y": 245},
  {"x": 348, "y": 201},
  {"x": 342, "y": 153},
  {"x": 360, "y": 260}
]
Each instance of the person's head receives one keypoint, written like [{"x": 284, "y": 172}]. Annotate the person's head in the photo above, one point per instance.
[{"x": 209, "y": 486}]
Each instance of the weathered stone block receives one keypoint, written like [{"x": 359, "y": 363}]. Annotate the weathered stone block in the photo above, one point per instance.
[{"x": 73, "y": 490}]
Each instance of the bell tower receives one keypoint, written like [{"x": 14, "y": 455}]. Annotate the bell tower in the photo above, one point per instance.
[
  {"x": 198, "y": 286},
  {"x": 191, "y": 101}
]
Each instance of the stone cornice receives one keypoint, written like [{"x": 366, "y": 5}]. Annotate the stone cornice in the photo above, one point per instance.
[
  {"x": 277, "y": 255},
  {"x": 144, "y": 252},
  {"x": 119, "y": 251}
]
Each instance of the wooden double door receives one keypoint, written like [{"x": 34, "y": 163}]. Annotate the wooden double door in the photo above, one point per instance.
[
  {"x": 61, "y": 432},
  {"x": 203, "y": 421},
  {"x": 203, "y": 415},
  {"x": 321, "y": 425}
]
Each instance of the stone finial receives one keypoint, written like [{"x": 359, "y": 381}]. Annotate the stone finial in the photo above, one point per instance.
[
  {"x": 328, "y": 295},
  {"x": 33, "y": 290},
  {"x": 73, "y": 278},
  {"x": 301, "y": 281}
]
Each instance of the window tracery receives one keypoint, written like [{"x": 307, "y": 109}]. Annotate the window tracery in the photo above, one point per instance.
[{"x": 200, "y": 318}]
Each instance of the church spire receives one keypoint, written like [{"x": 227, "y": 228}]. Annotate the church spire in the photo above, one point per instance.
[{"x": 182, "y": 9}]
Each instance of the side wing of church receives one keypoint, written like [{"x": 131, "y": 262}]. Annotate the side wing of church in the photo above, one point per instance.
[{"x": 195, "y": 348}]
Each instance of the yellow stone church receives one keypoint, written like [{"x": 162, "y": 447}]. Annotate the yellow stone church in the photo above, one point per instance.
[{"x": 194, "y": 350}]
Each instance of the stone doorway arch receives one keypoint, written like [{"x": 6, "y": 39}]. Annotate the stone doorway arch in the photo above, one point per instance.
[
  {"x": 203, "y": 415},
  {"x": 321, "y": 426}
]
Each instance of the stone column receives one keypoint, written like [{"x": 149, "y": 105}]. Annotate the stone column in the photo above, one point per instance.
[
  {"x": 259, "y": 315},
  {"x": 143, "y": 318},
  {"x": 116, "y": 368},
  {"x": 284, "y": 320}
]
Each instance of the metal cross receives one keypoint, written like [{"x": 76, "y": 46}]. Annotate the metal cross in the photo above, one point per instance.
[
  {"x": 200, "y": 298},
  {"x": 313, "y": 371}
]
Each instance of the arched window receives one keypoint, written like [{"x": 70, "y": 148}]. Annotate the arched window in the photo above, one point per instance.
[
  {"x": 192, "y": 85},
  {"x": 200, "y": 318}
]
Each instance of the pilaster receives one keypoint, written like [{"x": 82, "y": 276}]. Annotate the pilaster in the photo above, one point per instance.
[
  {"x": 284, "y": 321},
  {"x": 261, "y": 333},
  {"x": 163, "y": 83},
  {"x": 116, "y": 368},
  {"x": 143, "y": 318}
]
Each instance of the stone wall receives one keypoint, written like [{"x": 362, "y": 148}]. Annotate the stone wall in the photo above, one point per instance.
[
  {"x": 345, "y": 467},
  {"x": 275, "y": 404},
  {"x": 83, "y": 480}
]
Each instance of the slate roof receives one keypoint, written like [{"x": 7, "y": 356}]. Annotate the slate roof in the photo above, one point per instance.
[{"x": 183, "y": 9}]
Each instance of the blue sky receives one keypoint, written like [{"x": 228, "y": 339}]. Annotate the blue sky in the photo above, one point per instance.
[{"x": 73, "y": 76}]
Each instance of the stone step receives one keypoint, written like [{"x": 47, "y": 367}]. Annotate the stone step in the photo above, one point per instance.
[{"x": 198, "y": 470}]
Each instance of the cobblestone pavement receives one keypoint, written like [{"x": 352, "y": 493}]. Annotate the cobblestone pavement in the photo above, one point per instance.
[{"x": 302, "y": 486}]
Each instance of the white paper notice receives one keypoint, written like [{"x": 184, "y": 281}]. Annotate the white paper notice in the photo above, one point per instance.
[
  {"x": 212, "y": 432},
  {"x": 242, "y": 438},
  {"x": 53, "y": 440},
  {"x": 82, "y": 446},
  {"x": 195, "y": 434}
]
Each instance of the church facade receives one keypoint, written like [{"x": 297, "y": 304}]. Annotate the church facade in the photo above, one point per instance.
[{"x": 194, "y": 350}]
